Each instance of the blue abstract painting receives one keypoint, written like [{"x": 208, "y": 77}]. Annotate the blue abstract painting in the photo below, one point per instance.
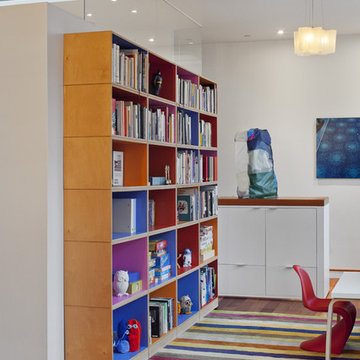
[{"x": 338, "y": 148}]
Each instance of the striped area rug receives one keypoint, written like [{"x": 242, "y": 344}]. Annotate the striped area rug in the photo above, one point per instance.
[{"x": 256, "y": 336}]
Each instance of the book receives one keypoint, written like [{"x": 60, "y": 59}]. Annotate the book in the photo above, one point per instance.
[
  {"x": 163, "y": 316},
  {"x": 124, "y": 215},
  {"x": 184, "y": 207},
  {"x": 170, "y": 309},
  {"x": 117, "y": 168},
  {"x": 156, "y": 313},
  {"x": 151, "y": 212}
]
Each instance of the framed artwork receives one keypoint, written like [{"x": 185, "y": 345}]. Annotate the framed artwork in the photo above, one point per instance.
[{"x": 338, "y": 148}]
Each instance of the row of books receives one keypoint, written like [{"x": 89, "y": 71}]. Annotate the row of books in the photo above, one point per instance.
[
  {"x": 187, "y": 92},
  {"x": 206, "y": 242},
  {"x": 201, "y": 97},
  {"x": 151, "y": 212},
  {"x": 208, "y": 168},
  {"x": 208, "y": 99},
  {"x": 204, "y": 133},
  {"x": 184, "y": 128},
  {"x": 207, "y": 284},
  {"x": 161, "y": 316},
  {"x": 161, "y": 125},
  {"x": 187, "y": 167},
  {"x": 128, "y": 119},
  {"x": 208, "y": 201},
  {"x": 187, "y": 204},
  {"x": 129, "y": 67}
]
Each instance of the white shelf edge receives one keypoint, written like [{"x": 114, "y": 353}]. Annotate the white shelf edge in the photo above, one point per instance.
[
  {"x": 130, "y": 299},
  {"x": 128, "y": 238},
  {"x": 115, "y": 189}
]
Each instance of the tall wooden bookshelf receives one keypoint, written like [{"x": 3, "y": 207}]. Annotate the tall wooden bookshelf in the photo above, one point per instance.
[{"x": 93, "y": 251}]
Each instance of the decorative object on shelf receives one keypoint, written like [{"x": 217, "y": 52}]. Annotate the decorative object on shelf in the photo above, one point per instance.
[
  {"x": 134, "y": 328},
  {"x": 185, "y": 305},
  {"x": 157, "y": 83},
  {"x": 121, "y": 283},
  {"x": 260, "y": 177},
  {"x": 121, "y": 343},
  {"x": 314, "y": 40},
  {"x": 337, "y": 148},
  {"x": 177, "y": 262},
  {"x": 157, "y": 180},
  {"x": 167, "y": 175},
  {"x": 187, "y": 258}
]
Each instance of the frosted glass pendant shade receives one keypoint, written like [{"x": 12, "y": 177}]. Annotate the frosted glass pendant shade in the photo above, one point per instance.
[{"x": 314, "y": 41}]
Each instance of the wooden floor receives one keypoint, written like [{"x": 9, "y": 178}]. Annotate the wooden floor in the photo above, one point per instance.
[{"x": 271, "y": 305}]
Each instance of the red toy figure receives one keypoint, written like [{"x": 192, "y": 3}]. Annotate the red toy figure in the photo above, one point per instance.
[{"x": 134, "y": 334}]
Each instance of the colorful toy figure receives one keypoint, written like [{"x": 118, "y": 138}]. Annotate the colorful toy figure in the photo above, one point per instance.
[
  {"x": 121, "y": 283},
  {"x": 134, "y": 328},
  {"x": 121, "y": 343},
  {"x": 157, "y": 82},
  {"x": 187, "y": 258},
  {"x": 185, "y": 305}
]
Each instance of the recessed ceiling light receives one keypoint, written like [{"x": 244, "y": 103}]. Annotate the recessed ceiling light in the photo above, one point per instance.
[
  {"x": 191, "y": 43},
  {"x": 280, "y": 32},
  {"x": 151, "y": 39},
  {"x": 134, "y": 11},
  {"x": 113, "y": 0},
  {"x": 89, "y": 14}
]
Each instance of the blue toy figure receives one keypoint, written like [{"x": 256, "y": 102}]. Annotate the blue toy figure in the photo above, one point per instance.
[{"x": 121, "y": 344}]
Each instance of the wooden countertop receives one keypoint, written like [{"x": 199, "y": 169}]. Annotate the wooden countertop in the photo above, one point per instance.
[{"x": 279, "y": 201}]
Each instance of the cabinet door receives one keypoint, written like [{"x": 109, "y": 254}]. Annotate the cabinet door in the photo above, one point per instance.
[
  {"x": 291, "y": 237},
  {"x": 283, "y": 282},
  {"x": 241, "y": 236},
  {"x": 236, "y": 280}
]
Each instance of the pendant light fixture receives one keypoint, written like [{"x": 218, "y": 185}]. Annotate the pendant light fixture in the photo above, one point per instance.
[{"x": 314, "y": 40}]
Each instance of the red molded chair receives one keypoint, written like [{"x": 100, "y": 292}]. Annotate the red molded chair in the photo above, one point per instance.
[{"x": 341, "y": 330}]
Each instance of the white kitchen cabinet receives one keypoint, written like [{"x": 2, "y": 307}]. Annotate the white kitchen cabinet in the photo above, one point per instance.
[{"x": 262, "y": 238}]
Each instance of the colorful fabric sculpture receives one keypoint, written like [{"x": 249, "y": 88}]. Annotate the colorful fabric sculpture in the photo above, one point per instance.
[
  {"x": 134, "y": 328},
  {"x": 263, "y": 183},
  {"x": 121, "y": 344}
]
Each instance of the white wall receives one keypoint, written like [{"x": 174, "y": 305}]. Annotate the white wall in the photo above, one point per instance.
[
  {"x": 58, "y": 23},
  {"x": 23, "y": 182},
  {"x": 264, "y": 85},
  {"x": 31, "y": 181}
]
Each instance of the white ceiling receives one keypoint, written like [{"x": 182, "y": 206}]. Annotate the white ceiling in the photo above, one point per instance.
[{"x": 221, "y": 20}]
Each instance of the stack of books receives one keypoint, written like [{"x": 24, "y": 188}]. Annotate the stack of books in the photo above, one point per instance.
[
  {"x": 184, "y": 128},
  {"x": 160, "y": 260},
  {"x": 187, "y": 167},
  {"x": 207, "y": 284},
  {"x": 161, "y": 125},
  {"x": 205, "y": 133},
  {"x": 161, "y": 315},
  {"x": 208, "y": 98},
  {"x": 187, "y": 92},
  {"x": 187, "y": 204},
  {"x": 208, "y": 201},
  {"x": 206, "y": 243},
  {"x": 208, "y": 168},
  {"x": 128, "y": 119},
  {"x": 128, "y": 67}
]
